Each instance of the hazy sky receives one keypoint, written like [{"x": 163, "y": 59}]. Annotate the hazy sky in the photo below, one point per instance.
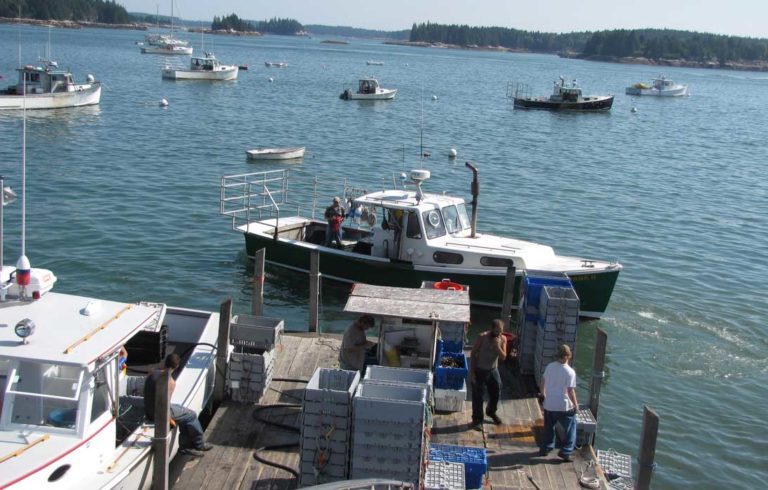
[{"x": 734, "y": 17}]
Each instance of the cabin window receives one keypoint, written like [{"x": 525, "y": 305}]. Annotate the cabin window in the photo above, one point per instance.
[
  {"x": 101, "y": 395},
  {"x": 45, "y": 394},
  {"x": 452, "y": 219},
  {"x": 412, "y": 222},
  {"x": 463, "y": 218},
  {"x": 496, "y": 262},
  {"x": 447, "y": 258},
  {"x": 434, "y": 223}
]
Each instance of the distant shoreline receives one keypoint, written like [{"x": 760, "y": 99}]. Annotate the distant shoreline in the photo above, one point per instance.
[
  {"x": 72, "y": 24},
  {"x": 681, "y": 63}
]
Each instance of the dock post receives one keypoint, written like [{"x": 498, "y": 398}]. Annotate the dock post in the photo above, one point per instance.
[
  {"x": 314, "y": 289},
  {"x": 598, "y": 366},
  {"x": 222, "y": 349},
  {"x": 257, "y": 301},
  {"x": 647, "y": 451},
  {"x": 509, "y": 297},
  {"x": 160, "y": 443}
]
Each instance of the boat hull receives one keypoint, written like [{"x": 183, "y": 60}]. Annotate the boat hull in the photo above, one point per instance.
[
  {"x": 385, "y": 94},
  {"x": 486, "y": 287},
  {"x": 176, "y": 50},
  {"x": 213, "y": 75},
  {"x": 597, "y": 103},
  {"x": 276, "y": 154},
  {"x": 83, "y": 95},
  {"x": 679, "y": 91}
]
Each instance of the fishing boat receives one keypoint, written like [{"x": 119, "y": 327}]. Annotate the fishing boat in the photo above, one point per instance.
[
  {"x": 565, "y": 97},
  {"x": 374, "y": 63},
  {"x": 659, "y": 87},
  {"x": 276, "y": 153},
  {"x": 165, "y": 44},
  {"x": 46, "y": 86},
  {"x": 205, "y": 67},
  {"x": 369, "y": 89},
  {"x": 400, "y": 237},
  {"x": 275, "y": 64}
]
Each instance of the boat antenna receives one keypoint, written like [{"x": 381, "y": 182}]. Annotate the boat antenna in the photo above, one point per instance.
[
  {"x": 23, "y": 269},
  {"x": 421, "y": 130},
  {"x": 19, "y": 29}
]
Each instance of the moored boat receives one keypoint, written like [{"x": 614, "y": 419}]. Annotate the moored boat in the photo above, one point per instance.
[
  {"x": 46, "y": 86},
  {"x": 565, "y": 97},
  {"x": 275, "y": 64},
  {"x": 374, "y": 63},
  {"x": 369, "y": 89},
  {"x": 401, "y": 237},
  {"x": 659, "y": 87},
  {"x": 276, "y": 153},
  {"x": 205, "y": 67},
  {"x": 167, "y": 48}
]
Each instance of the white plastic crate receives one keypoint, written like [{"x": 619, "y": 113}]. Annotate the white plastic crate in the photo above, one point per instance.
[
  {"x": 420, "y": 378},
  {"x": 259, "y": 332},
  {"x": 332, "y": 386},
  {"x": 615, "y": 464},
  {"x": 451, "y": 400},
  {"x": 442, "y": 475},
  {"x": 585, "y": 420}
]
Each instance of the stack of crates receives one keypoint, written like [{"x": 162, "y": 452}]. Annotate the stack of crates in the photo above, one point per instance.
[
  {"x": 148, "y": 346},
  {"x": 385, "y": 375},
  {"x": 474, "y": 459},
  {"x": 586, "y": 425},
  {"x": 529, "y": 316},
  {"x": 326, "y": 426},
  {"x": 251, "y": 365},
  {"x": 442, "y": 475},
  {"x": 450, "y": 392},
  {"x": 557, "y": 323},
  {"x": 389, "y": 437}
]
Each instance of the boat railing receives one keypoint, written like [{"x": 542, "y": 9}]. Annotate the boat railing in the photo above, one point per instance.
[
  {"x": 256, "y": 196},
  {"x": 516, "y": 90}
]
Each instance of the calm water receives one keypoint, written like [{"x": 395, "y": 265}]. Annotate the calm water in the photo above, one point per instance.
[{"x": 123, "y": 203}]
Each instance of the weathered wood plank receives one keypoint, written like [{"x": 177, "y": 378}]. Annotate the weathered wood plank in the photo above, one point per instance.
[{"x": 426, "y": 295}]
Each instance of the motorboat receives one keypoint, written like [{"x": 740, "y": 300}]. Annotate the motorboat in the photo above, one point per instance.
[
  {"x": 659, "y": 87},
  {"x": 374, "y": 63},
  {"x": 205, "y": 67},
  {"x": 565, "y": 97},
  {"x": 275, "y": 64},
  {"x": 399, "y": 237},
  {"x": 369, "y": 89},
  {"x": 46, "y": 86},
  {"x": 167, "y": 48},
  {"x": 276, "y": 153}
]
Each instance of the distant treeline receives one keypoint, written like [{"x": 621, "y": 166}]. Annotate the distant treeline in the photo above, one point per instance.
[
  {"x": 667, "y": 44},
  {"x": 76, "y": 10},
  {"x": 357, "y": 32},
  {"x": 286, "y": 27},
  {"x": 464, "y": 35}
]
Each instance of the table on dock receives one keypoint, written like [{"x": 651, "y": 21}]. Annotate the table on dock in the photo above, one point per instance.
[{"x": 512, "y": 450}]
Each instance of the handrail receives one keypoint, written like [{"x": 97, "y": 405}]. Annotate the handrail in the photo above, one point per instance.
[{"x": 20, "y": 451}]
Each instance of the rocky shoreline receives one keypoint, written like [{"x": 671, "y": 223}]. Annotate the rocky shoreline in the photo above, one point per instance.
[{"x": 71, "y": 24}]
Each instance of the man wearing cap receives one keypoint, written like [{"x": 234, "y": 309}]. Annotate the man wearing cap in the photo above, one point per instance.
[
  {"x": 334, "y": 214},
  {"x": 558, "y": 386}
]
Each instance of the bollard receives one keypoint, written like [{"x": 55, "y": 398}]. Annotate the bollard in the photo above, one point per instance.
[
  {"x": 647, "y": 451},
  {"x": 222, "y": 350},
  {"x": 257, "y": 301},
  {"x": 160, "y": 443},
  {"x": 314, "y": 290}
]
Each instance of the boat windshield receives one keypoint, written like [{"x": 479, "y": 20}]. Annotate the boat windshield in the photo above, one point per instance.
[
  {"x": 43, "y": 394},
  {"x": 433, "y": 223},
  {"x": 455, "y": 218}
]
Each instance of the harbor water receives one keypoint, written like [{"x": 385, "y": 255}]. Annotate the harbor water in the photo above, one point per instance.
[{"x": 122, "y": 202}]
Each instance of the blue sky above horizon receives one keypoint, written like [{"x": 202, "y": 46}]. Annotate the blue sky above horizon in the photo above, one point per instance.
[{"x": 737, "y": 17}]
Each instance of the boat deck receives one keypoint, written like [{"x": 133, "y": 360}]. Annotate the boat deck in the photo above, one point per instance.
[{"x": 511, "y": 448}]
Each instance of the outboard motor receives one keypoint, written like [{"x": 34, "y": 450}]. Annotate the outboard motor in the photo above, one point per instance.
[{"x": 475, "y": 193}]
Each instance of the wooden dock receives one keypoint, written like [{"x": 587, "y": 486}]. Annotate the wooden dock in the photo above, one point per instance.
[{"x": 512, "y": 449}]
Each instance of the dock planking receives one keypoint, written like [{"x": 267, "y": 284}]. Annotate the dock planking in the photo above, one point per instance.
[{"x": 236, "y": 433}]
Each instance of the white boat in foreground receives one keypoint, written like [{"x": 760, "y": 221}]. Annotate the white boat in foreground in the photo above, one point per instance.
[
  {"x": 369, "y": 89},
  {"x": 46, "y": 86},
  {"x": 71, "y": 417},
  {"x": 276, "y": 153},
  {"x": 660, "y": 87},
  {"x": 205, "y": 67}
]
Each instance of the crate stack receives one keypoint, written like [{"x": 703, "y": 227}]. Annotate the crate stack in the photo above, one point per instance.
[
  {"x": 326, "y": 426},
  {"x": 586, "y": 425},
  {"x": 252, "y": 363},
  {"x": 389, "y": 437},
  {"x": 442, "y": 475},
  {"x": 474, "y": 459},
  {"x": 451, "y": 388},
  {"x": 148, "y": 346},
  {"x": 557, "y": 323},
  {"x": 528, "y": 318},
  {"x": 397, "y": 376}
]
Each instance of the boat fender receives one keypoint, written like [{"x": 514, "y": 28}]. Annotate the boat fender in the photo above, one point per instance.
[{"x": 371, "y": 219}]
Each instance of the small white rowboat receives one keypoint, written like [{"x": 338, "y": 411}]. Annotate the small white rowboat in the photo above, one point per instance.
[{"x": 275, "y": 153}]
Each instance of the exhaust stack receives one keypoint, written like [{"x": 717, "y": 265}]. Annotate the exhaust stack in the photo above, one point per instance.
[{"x": 475, "y": 193}]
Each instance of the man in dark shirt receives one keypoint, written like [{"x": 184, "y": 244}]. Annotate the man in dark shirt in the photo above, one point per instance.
[
  {"x": 184, "y": 417},
  {"x": 334, "y": 214}
]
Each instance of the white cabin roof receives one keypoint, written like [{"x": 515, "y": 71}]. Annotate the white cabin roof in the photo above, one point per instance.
[
  {"x": 65, "y": 334},
  {"x": 403, "y": 199}
]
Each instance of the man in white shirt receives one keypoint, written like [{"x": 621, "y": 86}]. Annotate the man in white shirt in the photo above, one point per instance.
[{"x": 558, "y": 386}]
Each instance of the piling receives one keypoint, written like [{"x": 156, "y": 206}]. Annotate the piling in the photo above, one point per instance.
[
  {"x": 598, "y": 373},
  {"x": 225, "y": 319},
  {"x": 647, "y": 451},
  {"x": 314, "y": 289},
  {"x": 509, "y": 297},
  {"x": 160, "y": 443},
  {"x": 257, "y": 301}
]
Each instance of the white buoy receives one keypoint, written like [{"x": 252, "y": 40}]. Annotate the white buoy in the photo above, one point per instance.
[
  {"x": 163, "y": 103},
  {"x": 434, "y": 97},
  {"x": 271, "y": 79},
  {"x": 452, "y": 153},
  {"x": 634, "y": 109}
]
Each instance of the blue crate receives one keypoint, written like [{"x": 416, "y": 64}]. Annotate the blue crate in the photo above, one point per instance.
[
  {"x": 447, "y": 346},
  {"x": 474, "y": 459},
  {"x": 451, "y": 378},
  {"x": 534, "y": 285}
]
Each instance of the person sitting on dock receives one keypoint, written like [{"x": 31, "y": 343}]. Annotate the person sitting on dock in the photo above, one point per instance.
[
  {"x": 182, "y": 416},
  {"x": 354, "y": 344},
  {"x": 558, "y": 386},
  {"x": 490, "y": 348},
  {"x": 334, "y": 214}
]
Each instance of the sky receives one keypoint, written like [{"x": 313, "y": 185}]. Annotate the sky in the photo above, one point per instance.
[{"x": 732, "y": 17}]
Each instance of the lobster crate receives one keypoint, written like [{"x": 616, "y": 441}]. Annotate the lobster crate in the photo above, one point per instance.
[
  {"x": 474, "y": 459},
  {"x": 451, "y": 377},
  {"x": 442, "y": 475},
  {"x": 450, "y": 400},
  {"x": 257, "y": 332},
  {"x": 614, "y": 464}
]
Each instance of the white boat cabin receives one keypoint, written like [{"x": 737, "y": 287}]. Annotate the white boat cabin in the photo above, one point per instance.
[
  {"x": 43, "y": 79},
  {"x": 367, "y": 86},
  {"x": 208, "y": 62},
  {"x": 566, "y": 92}
]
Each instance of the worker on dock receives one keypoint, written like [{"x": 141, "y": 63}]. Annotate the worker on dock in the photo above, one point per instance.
[
  {"x": 558, "y": 386},
  {"x": 354, "y": 344},
  {"x": 184, "y": 417},
  {"x": 490, "y": 347}
]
